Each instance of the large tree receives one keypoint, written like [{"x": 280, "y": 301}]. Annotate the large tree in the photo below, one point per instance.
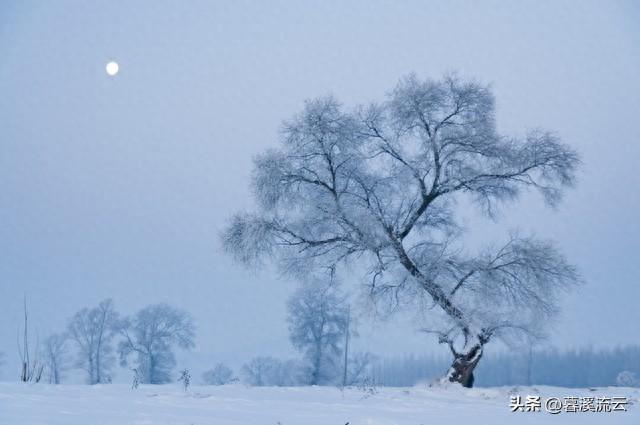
[
  {"x": 151, "y": 336},
  {"x": 54, "y": 354},
  {"x": 317, "y": 324},
  {"x": 378, "y": 187},
  {"x": 92, "y": 331}
]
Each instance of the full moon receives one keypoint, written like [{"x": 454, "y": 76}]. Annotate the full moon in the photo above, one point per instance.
[{"x": 112, "y": 68}]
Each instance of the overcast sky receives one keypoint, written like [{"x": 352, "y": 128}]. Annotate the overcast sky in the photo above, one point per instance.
[{"x": 118, "y": 187}]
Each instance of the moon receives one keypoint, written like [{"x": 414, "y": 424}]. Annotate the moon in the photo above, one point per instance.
[{"x": 112, "y": 68}]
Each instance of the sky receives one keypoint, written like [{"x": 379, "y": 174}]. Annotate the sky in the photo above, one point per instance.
[{"x": 119, "y": 186}]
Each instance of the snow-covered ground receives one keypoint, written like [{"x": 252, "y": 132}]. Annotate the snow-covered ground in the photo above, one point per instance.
[{"x": 240, "y": 405}]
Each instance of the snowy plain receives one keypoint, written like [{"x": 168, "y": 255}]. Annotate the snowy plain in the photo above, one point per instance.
[{"x": 38, "y": 404}]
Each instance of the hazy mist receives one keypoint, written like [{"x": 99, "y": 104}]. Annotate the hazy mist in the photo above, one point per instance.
[{"x": 118, "y": 187}]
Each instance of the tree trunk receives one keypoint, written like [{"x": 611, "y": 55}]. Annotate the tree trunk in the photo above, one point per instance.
[
  {"x": 346, "y": 348},
  {"x": 151, "y": 370},
  {"x": 315, "y": 373},
  {"x": 98, "y": 375},
  {"x": 461, "y": 370},
  {"x": 92, "y": 371}
]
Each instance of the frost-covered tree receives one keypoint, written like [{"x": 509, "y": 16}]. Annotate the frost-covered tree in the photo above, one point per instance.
[
  {"x": 221, "y": 374},
  {"x": 269, "y": 371},
  {"x": 54, "y": 354},
  {"x": 151, "y": 336},
  {"x": 379, "y": 186},
  {"x": 317, "y": 324},
  {"x": 92, "y": 331}
]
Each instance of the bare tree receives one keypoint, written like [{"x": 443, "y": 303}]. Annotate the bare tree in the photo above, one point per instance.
[
  {"x": 317, "y": 325},
  {"x": 92, "y": 332},
  {"x": 151, "y": 336},
  {"x": 347, "y": 337},
  {"x": 31, "y": 367},
  {"x": 55, "y": 356},
  {"x": 378, "y": 186}
]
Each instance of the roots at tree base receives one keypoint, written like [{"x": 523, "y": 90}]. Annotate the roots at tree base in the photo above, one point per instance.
[{"x": 461, "y": 370}]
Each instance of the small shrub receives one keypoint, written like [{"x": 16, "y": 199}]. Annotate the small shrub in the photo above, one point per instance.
[
  {"x": 627, "y": 379},
  {"x": 185, "y": 378},
  {"x": 219, "y": 375}
]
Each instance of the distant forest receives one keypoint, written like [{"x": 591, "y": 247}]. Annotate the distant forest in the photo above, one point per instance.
[{"x": 575, "y": 368}]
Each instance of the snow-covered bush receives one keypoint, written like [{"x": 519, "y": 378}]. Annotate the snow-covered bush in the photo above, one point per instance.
[
  {"x": 269, "y": 371},
  {"x": 627, "y": 378},
  {"x": 368, "y": 386},
  {"x": 219, "y": 375},
  {"x": 185, "y": 378},
  {"x": 360, "y": 369},
  {"x": 135, "y": 382}
]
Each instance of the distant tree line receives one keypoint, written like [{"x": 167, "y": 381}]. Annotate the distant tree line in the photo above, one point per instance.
[
  {"x": 320, "y": 327},
  {"x": 267, "y": 371},
  {"x": 573, "y": 368},
  {"x": 95, "y": 336}
]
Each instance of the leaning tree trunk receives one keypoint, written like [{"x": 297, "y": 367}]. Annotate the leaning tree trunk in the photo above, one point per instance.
[
  {"x": 464, "y": 362},
  {"x": 461, "y": 370}
]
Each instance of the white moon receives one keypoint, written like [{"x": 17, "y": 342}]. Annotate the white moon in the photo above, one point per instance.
[{"x": 112, "y": 68}]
